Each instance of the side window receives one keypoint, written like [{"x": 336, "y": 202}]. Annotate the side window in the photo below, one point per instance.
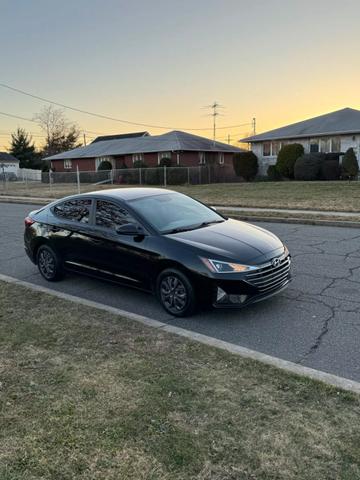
[
  {"x": 74, "y": 210},
  {"x": 109, "y": 215}
]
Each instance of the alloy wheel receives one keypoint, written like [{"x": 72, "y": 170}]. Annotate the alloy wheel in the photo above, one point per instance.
[
  {"x": 47, "y": 264},
  {"x": 173, "y": 294}
]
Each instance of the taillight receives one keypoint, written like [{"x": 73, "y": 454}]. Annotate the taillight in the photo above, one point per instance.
[{"x": 29, "y": 221}]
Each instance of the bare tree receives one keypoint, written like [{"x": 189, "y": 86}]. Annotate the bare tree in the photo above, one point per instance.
[{"x": 61, "y": 134}]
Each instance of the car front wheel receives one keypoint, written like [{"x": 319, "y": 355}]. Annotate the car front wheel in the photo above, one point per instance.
[
  {"x": 49, "y": 263},
  {"x": 175, "y": 293}
]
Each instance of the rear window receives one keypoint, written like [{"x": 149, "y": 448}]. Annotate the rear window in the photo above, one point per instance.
[{"x": 74, "y": 210}]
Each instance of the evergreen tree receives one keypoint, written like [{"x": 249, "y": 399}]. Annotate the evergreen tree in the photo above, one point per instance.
[
  {"x": 350, "y": 166},
  {"x": 23, "y": 148}
]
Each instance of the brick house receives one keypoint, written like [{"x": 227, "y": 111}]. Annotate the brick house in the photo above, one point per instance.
[{"x": 122, "y": 151}]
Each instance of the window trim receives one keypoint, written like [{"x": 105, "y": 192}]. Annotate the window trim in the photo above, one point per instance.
[
  {"x": 67, "y": 164},
  {"x": 202, "y": 158},
  {"x": 137, "y": 159},
  {"x": 221, "y": 158},
  {"x": 162, "y": 155}
]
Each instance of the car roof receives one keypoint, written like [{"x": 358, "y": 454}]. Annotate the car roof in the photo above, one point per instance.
[{"x": 127, "y": 193}]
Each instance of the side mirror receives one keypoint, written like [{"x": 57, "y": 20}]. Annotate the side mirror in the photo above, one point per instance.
[{"x": 130, "y": 229}]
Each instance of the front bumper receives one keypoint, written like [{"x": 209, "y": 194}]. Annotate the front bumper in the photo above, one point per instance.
[
  {"x": 244, "y": 296},
  {"x": 264, "y": 282}
]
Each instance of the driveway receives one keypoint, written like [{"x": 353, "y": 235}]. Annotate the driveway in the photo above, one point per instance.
[{"x": 315, "y": 322}]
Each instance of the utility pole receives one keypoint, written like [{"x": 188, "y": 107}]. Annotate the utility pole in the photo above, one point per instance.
[
  {"x": 253, "y": 126},
  {"x": 229, "y": 138},
  {"x": 215, "y": 113},
  {"x": 84, "y": 139}
]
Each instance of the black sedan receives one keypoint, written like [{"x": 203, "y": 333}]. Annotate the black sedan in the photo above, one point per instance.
[{"x": 160, "y": 241}]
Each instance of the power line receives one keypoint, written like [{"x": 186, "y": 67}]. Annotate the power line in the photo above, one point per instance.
[
  {"x": 17, "y": 116},
  {"x": 106, "y": 117}
]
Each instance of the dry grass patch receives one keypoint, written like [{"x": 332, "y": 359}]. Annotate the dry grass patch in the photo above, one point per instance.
[
  {"x": 88, "y": 395},
  {"x": 338, "y": 196}
]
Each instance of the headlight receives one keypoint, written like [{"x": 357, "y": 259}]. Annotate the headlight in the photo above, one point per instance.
[{"x": 219, "y": 266}]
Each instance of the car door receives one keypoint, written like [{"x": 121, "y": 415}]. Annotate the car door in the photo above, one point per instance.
[
  {"x": 125, "y": 257},
  {"x": 68, "y": 226}
]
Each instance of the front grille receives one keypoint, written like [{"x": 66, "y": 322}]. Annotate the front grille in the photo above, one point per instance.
[{"x": 268, "y": 277}]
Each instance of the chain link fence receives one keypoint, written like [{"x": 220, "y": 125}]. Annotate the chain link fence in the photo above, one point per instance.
[{"x": 57, "y": 184}]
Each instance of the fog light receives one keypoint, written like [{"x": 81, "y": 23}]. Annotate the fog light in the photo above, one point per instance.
[
  {"x": 237, "y": 298},
  {"x": 220, "y": 295}
]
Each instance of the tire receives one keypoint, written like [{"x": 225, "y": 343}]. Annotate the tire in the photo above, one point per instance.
[
  {"x": 49, "y": 264},
  {"x": 175, "y": 293}
]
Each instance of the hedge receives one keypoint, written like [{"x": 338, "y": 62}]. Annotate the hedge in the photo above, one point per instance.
[{"x": 246, "y": 165}]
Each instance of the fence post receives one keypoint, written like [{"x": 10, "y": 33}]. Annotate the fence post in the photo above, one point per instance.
[
  {"x": 140, "y": 179},
  {"x": 50, "y": 182},
  {"x": 78, "y": 178},
  {"x": 188, "y": 175},
  {"x": 199, "y": 174},
  {"x": 209, "y": 173},
  {"x": 164, "y": 175}
]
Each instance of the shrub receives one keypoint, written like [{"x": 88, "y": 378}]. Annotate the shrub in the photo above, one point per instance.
[
  {"x": 105, "y": 165},
  {"x": 308, "y": 167},
  {"x": 287, "y": 157},
  {"x": 330, "y": 168},
  {"x": 350, "y": 166},
  {"x": 273, "y": 173},
  {"x": 246, "y": 165},
  {"x": 165, "y": 162}
]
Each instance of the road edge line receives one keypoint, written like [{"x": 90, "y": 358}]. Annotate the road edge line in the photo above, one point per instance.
[{"x": 327, "y": 378}]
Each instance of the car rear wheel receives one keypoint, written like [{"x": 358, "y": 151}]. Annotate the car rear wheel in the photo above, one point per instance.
[
  {"x": 175, "y": 293},
  {"x": 49, "y": 263}
]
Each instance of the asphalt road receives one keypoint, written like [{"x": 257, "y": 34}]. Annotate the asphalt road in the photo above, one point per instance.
[{"x": 315, "y": 322}]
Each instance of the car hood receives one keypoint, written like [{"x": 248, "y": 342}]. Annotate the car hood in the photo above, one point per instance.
[{"x": 233, "y": 240}]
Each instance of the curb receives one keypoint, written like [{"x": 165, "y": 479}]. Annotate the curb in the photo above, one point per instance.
[
  {"x": 252, "y": 218},
  {"x": 26, "y": 201},
  {"x": 327, "y": 378}
]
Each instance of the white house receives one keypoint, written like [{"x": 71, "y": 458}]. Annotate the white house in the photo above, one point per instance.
[
  {"x": 8, "y": 164},
  {"x": 332, "y": 132}
]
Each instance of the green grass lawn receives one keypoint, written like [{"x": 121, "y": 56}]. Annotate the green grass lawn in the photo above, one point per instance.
[
  {"x": 85, "y": 394},
  {"x": 341, "y": 196}
]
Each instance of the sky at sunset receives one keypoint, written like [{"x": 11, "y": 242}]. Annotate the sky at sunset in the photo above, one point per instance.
[{"x": 159, "y": 62}]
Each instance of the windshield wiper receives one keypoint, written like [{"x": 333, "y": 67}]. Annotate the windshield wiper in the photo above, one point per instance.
[
  {"x": 205, "y": 224},
  {"x": 178, "y": 230},
  {"x": 192, "y": 227}
]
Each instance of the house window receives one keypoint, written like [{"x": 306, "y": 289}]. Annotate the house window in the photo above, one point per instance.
[
  {"x": 67, "y": 164},
  {"x": 325, "y": 145},
  {"x": 314, "y": 145},
  {"x": 336, "y": 144},
  {"x": 275, "y": 148},
  {"x": 221, "y": 158},
  {"x": 138, "y": 157},
  {"x": 162, "y": 155},
  {"x": 202, "y": 159},
  {"x": 100, "y": 160},
  {"x": 266, "y": 149}
]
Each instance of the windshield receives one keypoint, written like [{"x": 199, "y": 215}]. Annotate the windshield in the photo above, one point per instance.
[{"x": 174, "y": 212}]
